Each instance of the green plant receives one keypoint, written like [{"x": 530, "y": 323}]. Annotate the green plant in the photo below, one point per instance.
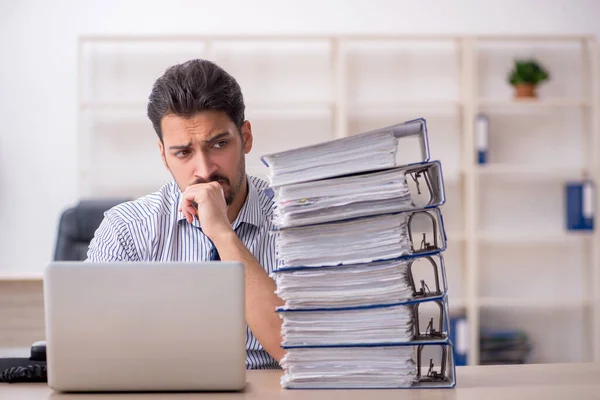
[{"x": 527, "y": 72}]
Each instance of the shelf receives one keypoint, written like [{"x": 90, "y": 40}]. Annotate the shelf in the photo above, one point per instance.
[
  {"x": 486, "y": 202},
  {"x": 533, "y": 103},
  {"x": 300, "y": 110},
  {"x": 500, "y": 302},
  {"x": 455, "y": 235},
  {"x": 112, "y": 105},
  {"x": 286, "y": 104},
  {"x": 552, "y": 304},
  {"x": 404, "y": 107},
  {"x": 20, "y": 276},
  {"x": 531, "y": 172},
  {"x": 530, "y": 238},
  {"x": 452, "y": 177},
  {"x": 268, "y": 110},
  {"x": 456, "y": 302},
  {"x": 532, "y": 38}
]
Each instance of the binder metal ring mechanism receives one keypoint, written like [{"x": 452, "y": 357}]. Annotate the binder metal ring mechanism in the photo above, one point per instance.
[{"x": 359, "y": 239}]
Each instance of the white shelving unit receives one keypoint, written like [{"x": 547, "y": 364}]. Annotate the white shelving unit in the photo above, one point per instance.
[{"x": 510, "y": 262}]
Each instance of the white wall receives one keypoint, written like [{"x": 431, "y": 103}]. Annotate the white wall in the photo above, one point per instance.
[{"x": 38, "y": 74}]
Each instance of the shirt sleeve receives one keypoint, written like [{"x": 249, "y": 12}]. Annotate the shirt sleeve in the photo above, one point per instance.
[{"x": 112, "y": 241}]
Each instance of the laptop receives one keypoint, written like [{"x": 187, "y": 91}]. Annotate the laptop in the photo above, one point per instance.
[{"x": 145, "y": 326}]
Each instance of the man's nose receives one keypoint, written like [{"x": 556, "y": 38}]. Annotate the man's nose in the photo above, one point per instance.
[{"x": 204, "y": 167}]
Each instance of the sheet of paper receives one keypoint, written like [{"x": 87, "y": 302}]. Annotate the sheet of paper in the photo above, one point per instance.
[{"x": 342, "y": 198}]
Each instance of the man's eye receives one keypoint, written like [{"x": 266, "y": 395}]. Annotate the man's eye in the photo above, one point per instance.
[
  {"x": 182, "y": 153},
  {"x": 220, "y": 144}
]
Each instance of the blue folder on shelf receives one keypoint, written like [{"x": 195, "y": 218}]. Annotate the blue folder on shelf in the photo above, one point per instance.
[{"x": 580, "y": 204}]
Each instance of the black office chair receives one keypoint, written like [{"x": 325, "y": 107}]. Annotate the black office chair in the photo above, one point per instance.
[{"x": 77, "y": 227}]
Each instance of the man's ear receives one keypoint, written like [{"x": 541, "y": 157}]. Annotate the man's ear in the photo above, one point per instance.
[
  {"x": 247, "y": 136},
  {"x": 161, "y": 148}
]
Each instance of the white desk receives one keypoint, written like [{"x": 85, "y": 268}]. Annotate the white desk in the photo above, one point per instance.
[{"x": 529, "y": 382}]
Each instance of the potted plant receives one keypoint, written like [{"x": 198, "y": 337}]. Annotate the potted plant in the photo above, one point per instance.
[{"x": 525, "y": 76}]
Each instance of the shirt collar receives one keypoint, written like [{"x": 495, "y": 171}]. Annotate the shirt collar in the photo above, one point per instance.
[{"x": 250, "y": 213}]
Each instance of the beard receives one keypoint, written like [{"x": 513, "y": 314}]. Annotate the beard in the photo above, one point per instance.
[{"x": 230, "y": 190}]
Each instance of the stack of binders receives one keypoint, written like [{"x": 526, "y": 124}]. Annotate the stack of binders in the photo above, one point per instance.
[{"x": 359, "y": 243}]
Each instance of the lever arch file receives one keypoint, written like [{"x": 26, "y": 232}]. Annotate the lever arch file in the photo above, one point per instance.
[
  {"x": 355, "y": 285},
  {"x": 580, "y": 204},
  {"x": 382, "y": 192},
  {"x": 359, "y": 239},
  {"x": 368, "y": 151},
  {"x": 422, "y": 320},
  {"x": 407, "y": 365},
  {"x": 362, "y": 240}
]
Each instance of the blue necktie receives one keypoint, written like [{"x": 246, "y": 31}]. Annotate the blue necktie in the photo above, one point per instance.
[{"x": 214, "y": 254}]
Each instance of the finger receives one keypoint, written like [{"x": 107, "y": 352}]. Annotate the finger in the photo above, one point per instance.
[
  {"x": 216, "y": 186},
  {"x": 183, "y": 208},
  {"x": 183, "y": 211},
  {"x": 195, "y": 195},
  {"x": 188, "y": 215},
  {"x": 191, "y": 211},
  {"x": 183, "y": 205}
]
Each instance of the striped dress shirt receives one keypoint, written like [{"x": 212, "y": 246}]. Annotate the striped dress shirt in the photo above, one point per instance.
[{"x": 152, "y": 229}]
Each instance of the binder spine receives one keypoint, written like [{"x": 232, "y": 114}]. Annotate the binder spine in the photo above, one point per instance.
[
  {"x": 482, "y": 138},
  {"x": 580, "y": 205}
]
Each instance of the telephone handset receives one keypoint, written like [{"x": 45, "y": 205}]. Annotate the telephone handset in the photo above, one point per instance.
[{"x": 32, "y": 369}]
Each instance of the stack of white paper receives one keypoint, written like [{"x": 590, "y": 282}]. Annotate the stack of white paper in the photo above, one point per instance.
[
  {"x": 369, "y": 151},
  {"x": 382, "y": 324},
  {"x": 346, "y": 197},
  {"x": 355, "y": 285},
  {"x": 347, "y": 242},
  {"x": 349, "y": 367}
]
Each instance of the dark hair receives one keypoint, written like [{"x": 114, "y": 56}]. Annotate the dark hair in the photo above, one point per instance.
[{"x": 193, "y": 86}]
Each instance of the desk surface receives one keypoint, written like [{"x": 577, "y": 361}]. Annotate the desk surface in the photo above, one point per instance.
[{"x": 542, "y": 381}]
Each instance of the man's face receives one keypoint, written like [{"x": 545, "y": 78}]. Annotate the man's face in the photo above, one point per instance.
[{"x": 204, "y": 148}]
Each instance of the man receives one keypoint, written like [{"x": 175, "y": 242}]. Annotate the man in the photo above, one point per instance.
[{"x": 212, "y": 209}]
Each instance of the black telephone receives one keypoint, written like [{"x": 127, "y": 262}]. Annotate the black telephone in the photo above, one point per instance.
[{"x": 32, "y": 369}]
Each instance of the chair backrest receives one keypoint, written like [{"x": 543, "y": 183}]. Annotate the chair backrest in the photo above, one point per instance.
[{"x": 77, "y": 227}]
